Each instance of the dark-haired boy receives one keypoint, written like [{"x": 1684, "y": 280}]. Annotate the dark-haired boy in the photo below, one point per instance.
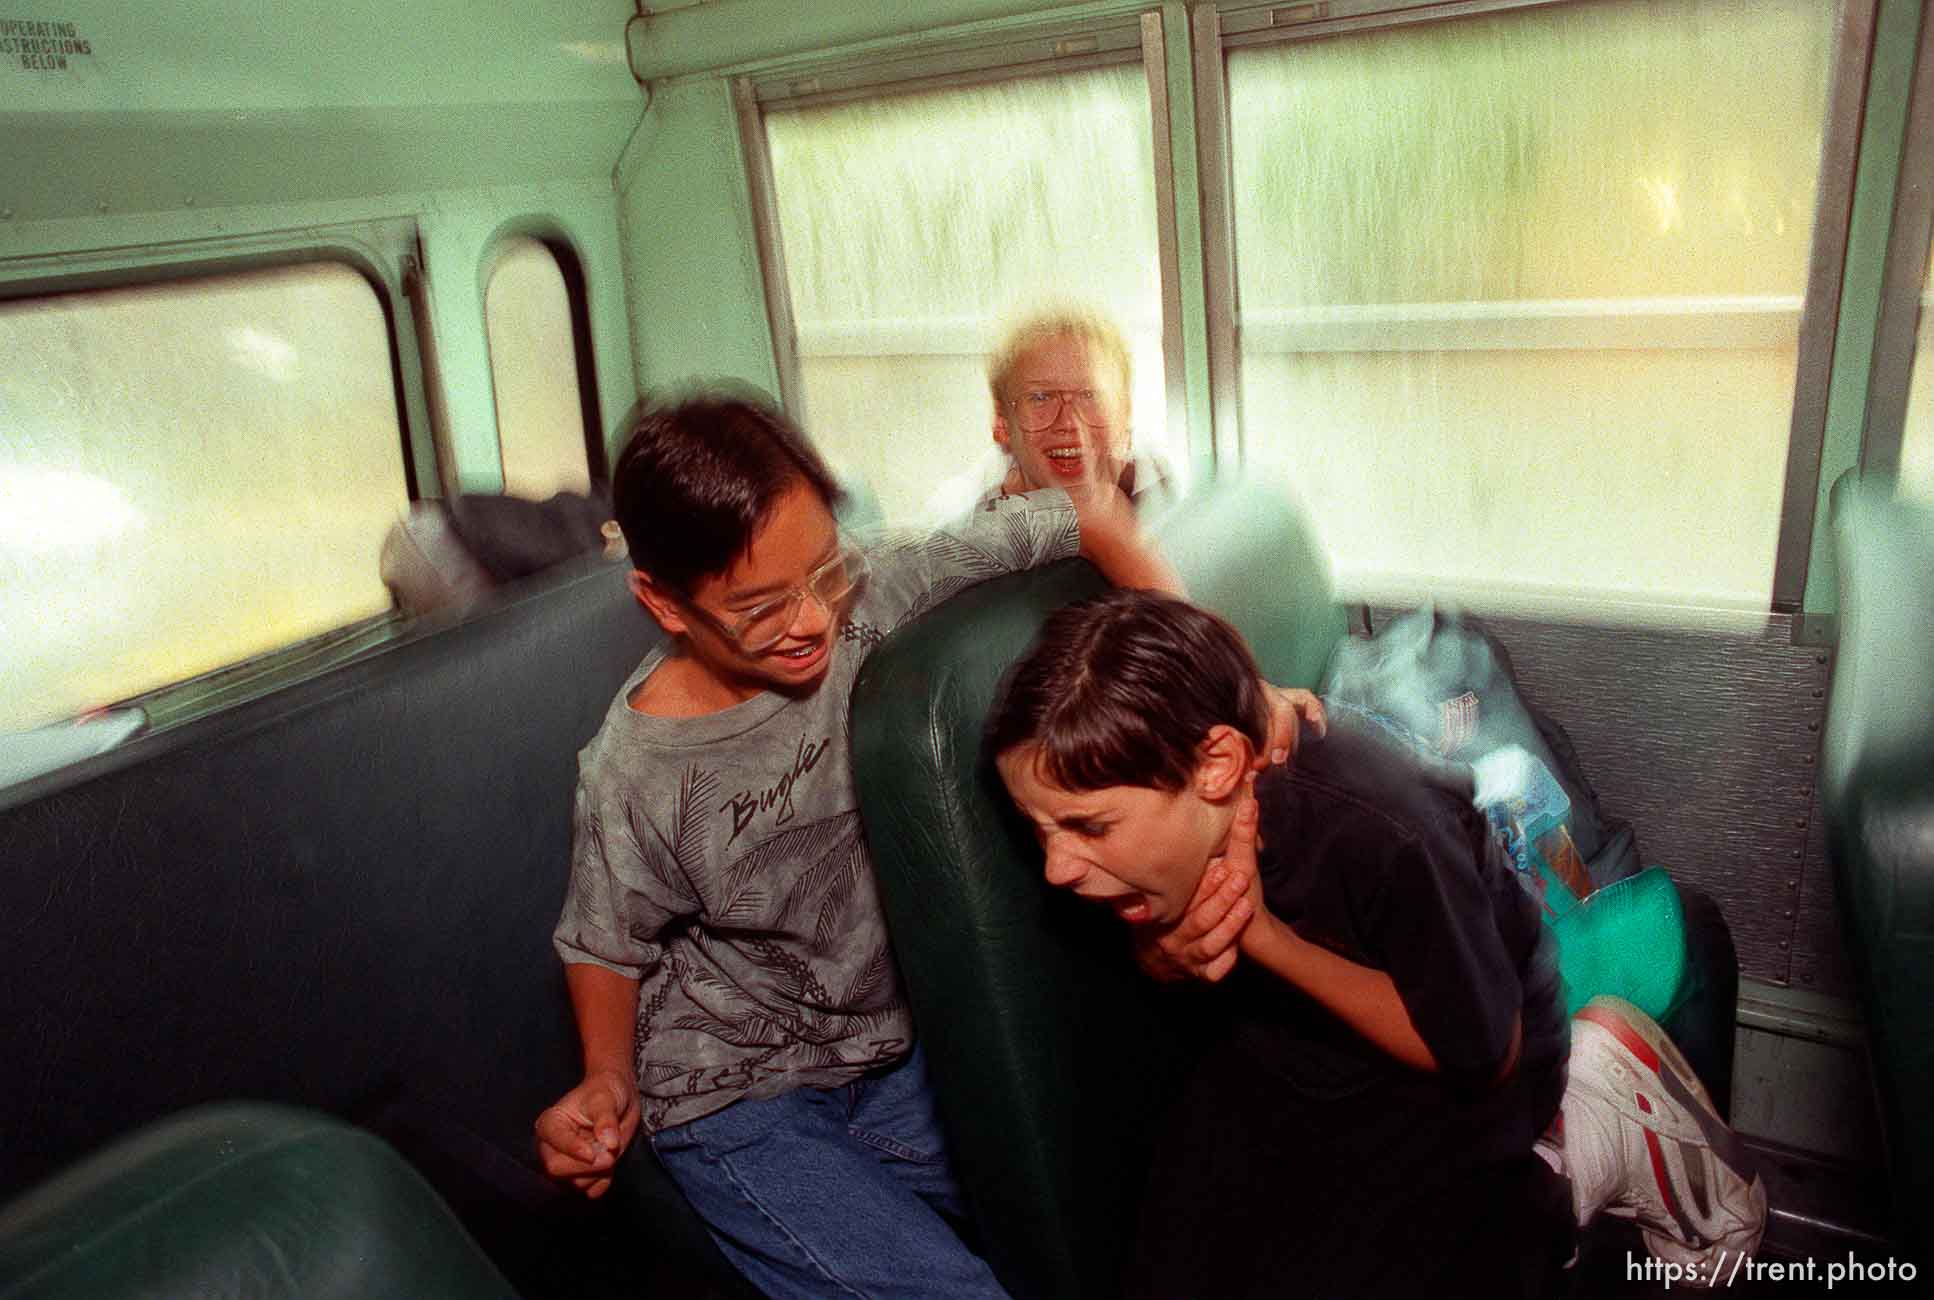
[
  {"x": 726, "y": 951},
  {"x": 1368, "y": 1130}
]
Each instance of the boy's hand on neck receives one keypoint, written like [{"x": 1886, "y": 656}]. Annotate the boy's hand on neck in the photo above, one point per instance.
[
  {"x": 1112, "y": 541},
  {"x": 1205, "y": 943}
]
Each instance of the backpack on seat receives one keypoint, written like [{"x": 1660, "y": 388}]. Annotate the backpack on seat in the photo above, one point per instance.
[{"x": 1448, "y": 683}]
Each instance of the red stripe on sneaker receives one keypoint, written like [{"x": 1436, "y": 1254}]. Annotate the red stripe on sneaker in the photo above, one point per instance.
[
  {"x": 1620, "y": 1029},
  {"x": 1659, "y": 1176}
]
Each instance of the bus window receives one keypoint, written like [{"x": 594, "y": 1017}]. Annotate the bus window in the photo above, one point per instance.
[
  {"x": 912, "y": 224},
  {"x": 1917, "y": 435},
  {"x": 1519, "y": 294},
  {"x": 192, "y": 473},
  {"x": 533, "y": 371}
]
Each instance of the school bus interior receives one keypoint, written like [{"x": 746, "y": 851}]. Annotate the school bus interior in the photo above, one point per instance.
[{"x": 1568, "y": 313}]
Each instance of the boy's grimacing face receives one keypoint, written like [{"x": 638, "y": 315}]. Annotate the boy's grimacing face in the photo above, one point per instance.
[{"x": 1136, "y": 849}]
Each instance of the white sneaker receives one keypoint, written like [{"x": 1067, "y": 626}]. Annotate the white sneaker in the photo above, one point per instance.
[{"x": 1642, "y": 1141}]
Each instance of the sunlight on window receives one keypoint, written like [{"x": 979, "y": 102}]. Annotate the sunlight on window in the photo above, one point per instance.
[
  {"x": 913, "y": 224},
  {"x": 1520, "y": 294},
  {"x": 45, "y": 511},
  {"x": 534, "y": 374},
  {"x": 1917, "y": 437},
  {"x": 192, "y": 473}
]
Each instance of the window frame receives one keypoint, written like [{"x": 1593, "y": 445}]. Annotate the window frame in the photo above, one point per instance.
[
  {"x": 1044, "y": 47},
  {"x": 577, "y": 294},
  {"x": 1221, "y": 28},
  {"x": 387, "y": 256},
  {"x": 1905, "y": 294}
]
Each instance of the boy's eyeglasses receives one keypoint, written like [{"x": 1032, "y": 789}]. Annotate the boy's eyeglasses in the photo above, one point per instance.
[
  {"x": 1037, "y": 408},
  {"x": 765, "y": 625}
]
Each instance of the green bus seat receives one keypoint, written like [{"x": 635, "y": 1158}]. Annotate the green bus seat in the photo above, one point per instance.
[
  {"x": 241, "y": 1200},
  {"x": 1877, "y": 791},
  {"x": 340, "y": 896},
  {"x": 1052, "y": 1057}
]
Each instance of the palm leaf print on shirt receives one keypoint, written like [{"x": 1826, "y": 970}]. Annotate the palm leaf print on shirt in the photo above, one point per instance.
[{"x": 1021, "y": 540}]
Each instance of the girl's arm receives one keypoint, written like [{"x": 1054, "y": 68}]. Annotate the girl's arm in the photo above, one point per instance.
[{"x": 1363, "y": 998}]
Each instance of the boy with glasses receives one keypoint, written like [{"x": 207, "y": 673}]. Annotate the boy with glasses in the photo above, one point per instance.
[
  {"x": 1060, "y": 379},
  {"x": 725, "y": 947}
]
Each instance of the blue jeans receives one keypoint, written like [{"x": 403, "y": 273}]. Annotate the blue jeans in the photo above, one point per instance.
[{"x": 831, "y": 1191}]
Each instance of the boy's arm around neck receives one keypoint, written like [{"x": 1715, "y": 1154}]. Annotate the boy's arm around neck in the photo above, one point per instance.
[
  {"x": 1444, "y": 996},
  {"x": 1365, "y": 999}
]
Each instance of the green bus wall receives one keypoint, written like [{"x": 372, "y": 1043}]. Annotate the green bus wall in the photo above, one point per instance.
[
  {"x": 691, "y": 252},
  {"x": 182, "y": 134},
  {"x": 683, "y": 39},
  {"x": 691, "y": 248}
]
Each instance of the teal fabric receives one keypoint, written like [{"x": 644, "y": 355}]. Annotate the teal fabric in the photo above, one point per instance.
[{"x": 1629, "y": 940}]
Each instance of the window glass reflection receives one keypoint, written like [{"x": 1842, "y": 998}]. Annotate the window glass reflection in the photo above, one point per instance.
[
  {"x": 1520, "y": 294},
  {"x": 534, "y": 374},
  {"x": 192, "y": 473},
  {"x": 913, "y": 224},
  {"x": 1917, "y": 436}
]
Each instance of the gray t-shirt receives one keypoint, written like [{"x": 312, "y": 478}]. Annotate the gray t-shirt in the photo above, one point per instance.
[{"x": 719, "y": 859}]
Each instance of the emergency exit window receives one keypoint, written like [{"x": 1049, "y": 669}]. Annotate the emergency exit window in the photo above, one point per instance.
[
  {"x": 534, "y": 374},
  {"x": 915, "y": 224},
  {"x": 192, "y": 473},
  {"x": 1519, "y": 294}
]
